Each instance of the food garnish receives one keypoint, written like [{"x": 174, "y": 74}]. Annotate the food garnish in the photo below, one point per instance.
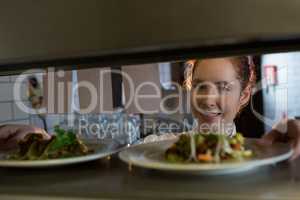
[
  {"x": 63, "y": 144},
  {"x": 208, "y": 148}
]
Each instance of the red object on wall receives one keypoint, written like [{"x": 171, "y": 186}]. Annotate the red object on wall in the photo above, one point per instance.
[{"x": 270, "y": 72}]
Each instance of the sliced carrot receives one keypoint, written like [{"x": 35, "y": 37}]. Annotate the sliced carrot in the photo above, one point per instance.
[
  {"x": 205, "y": 157},
  {"x": 236, "y": 146}
]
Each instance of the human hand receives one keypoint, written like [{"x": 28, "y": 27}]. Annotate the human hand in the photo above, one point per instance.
[
  {"x": 10, "y": 134},
  {"x": 287, "y": 130}
]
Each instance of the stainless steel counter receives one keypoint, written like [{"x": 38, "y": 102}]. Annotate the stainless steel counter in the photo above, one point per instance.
[{"x": 111, "y": 179}]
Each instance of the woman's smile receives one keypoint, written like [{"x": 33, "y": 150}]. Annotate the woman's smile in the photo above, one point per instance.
[{"x": 211, "y": 116}]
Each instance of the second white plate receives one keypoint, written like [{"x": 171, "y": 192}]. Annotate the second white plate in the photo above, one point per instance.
[{"x": 151, "y": 156}]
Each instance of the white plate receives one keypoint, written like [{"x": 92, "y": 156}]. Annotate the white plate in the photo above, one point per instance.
[
  {"x": 151, "y": 156},
  {"x": 101, "y": 149}
]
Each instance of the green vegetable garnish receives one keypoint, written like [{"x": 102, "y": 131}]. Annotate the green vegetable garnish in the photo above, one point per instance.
[
  {"x": 209, "y": 148},
  {"x": 62, "y": 145}
]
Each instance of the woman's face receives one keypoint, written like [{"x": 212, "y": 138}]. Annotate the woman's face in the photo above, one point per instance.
[{"x": 217, "y": 95}]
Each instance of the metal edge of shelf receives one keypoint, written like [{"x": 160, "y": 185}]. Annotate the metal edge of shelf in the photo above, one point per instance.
[{"x": 161, "y": 53}]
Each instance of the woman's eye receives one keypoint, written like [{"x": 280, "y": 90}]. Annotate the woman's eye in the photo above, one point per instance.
[
  {"x": 224, "y": 88},
  {"x": 221, "y": 87},
  {"x": 200, "y": 88}
]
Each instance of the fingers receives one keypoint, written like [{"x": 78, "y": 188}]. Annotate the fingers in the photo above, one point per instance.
[
  {"x": 296, "y": 152},
  {"x": 282, "y": 125},
  {"x": 293, "y": 134},
  {"x": 7, "y": 131},
  {"x": 7, "y": 145},
  {"x": 271, "y": 137},
  {"x": 11, "y": 134},
  {"x": 276, "y": 136},
  {"x": 21, "y": 133},
  {"x": 296, "y": 145},
  {"x": 277, "y": 133},
  {"x": 12, "y": 129}
]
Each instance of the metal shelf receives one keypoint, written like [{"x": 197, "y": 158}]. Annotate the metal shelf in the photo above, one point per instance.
[{"x": 98, "y": 33}]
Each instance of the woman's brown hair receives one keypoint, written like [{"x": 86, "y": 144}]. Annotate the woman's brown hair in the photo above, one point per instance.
[{"x": 244, "y": 66}]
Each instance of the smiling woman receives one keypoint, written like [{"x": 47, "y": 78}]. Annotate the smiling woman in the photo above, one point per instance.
[{"x": 220, "y": 88}]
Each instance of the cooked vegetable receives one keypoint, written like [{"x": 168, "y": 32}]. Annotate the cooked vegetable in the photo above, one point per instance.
[
  {"x": 208, "y": 147},
  {"x": 63, "y": 144}
]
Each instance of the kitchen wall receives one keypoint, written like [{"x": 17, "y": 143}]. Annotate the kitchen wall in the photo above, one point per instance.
[
  {"x": 9, "y": 111},
  {"x": 103, "y": 89},
  {"x": 142, "y": 74},
  {"x": 156, "y": 74},
  {"x": 282, "y": 98},
  {"x": 160, "y": 75}
]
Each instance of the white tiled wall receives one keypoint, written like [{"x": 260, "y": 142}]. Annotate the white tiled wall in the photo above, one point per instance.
[
  {"x": 284, "y": 97},
  {"x": 9, "y": 111},
  {"x": 6, "y": 112},
  {"x": 4, "y": 79}
]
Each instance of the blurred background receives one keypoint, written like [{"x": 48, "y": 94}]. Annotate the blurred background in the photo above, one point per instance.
[{"x": 276, "y": 95}]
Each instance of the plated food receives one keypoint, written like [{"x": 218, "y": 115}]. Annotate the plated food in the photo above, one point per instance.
[
  {"x": 217, "y": 154},
  {"x": 208, "y": 148},
  {"x": 65, "y": 148},
  {"x": 64, "y": 144}
]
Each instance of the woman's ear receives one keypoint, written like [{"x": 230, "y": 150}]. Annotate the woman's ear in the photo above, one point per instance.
[{"x": 245, "y": 97}]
